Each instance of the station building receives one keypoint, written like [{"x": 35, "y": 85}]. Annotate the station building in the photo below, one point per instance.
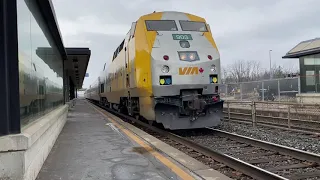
[
  {"x": 308, "y": 53},
  {"x": 39, "y": 78}
]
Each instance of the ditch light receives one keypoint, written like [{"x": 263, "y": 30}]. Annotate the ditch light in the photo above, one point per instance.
[
  {"x": 213, "y": 78},
  {"x": 165, "y": 80}
]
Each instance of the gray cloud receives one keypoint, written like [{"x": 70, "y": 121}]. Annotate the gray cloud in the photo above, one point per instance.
[{"x": 242, "y": 29}]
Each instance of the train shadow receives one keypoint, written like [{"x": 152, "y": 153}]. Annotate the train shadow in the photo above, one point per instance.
[{"x": 192, "y": 132}]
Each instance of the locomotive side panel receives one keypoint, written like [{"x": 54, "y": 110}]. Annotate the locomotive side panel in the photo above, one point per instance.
[
  {"x": 116, "y": 76},
  {"x": 144, "y": 43}
]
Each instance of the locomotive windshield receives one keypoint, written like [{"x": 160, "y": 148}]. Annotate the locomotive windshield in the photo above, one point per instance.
[
  {"x": 161, "y": 25},
  {"x": 193, "y": 26}
]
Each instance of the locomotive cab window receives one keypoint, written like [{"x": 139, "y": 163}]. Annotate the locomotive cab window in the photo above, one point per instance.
[
  {"x": 193, "y": 26},
  {"x": 161, "y": 25}
]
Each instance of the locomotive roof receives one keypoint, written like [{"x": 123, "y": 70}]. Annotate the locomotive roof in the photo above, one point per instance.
[{"x": 173, "y": 12}]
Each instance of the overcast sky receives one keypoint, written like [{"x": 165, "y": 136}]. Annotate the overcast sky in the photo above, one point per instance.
[{"x": 244, "y": 29}]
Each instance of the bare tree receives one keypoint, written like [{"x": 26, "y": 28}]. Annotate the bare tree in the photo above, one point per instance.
[
  {"x": 243, "y": 71},
  {"x": 256, "y": 71},
  {"x": 224, "y": 73}
]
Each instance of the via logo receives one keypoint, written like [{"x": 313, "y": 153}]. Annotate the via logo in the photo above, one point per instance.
[{"x": 189, "y": 71}]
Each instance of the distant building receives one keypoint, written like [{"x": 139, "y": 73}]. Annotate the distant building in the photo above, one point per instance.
[{"x": 308, "y": 53}]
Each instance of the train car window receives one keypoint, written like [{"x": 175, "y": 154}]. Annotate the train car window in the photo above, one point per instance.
[
  {"x": 114, "y": 55},
  {"x": 41, "y": 90},
  {"x": 102, "y": 88},
  {"x": 117, "y": 51},
  {"x": 121, "y": 46},
  {"x": 193, "y": 26},
  {"x": 34, "y": 66},
  {"x": 127, "y": 39},
  {"x": 161, "y": 25}
]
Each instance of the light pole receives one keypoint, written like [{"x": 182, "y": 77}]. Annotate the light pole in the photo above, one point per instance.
[{"x": 270, "y": 63}]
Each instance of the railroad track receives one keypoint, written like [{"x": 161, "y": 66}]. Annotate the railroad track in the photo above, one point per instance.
[
  {"x": 225, "y": 159},
  {"x": 281, "y": 160}
]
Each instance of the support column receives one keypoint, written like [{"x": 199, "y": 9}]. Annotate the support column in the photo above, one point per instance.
[
  {"x": 71, "y": 89},
  {"x": 9, "y": 69}
]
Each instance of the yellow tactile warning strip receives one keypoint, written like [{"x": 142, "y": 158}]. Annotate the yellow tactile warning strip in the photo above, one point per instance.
[{"x": 177, "y": 170}]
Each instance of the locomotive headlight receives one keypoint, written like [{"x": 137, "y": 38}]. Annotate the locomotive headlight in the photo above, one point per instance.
[
  {"x": 192, "y": 56},
  {"x": 213, "y": 68},
  {"x": 183, "y": 56},
  {"x": 165, "y": 69},
  {"x": 188, "y": 55}
]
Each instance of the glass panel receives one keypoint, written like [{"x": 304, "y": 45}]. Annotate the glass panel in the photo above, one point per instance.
[
  {"x": 318, "y": 83},
  {"x": 312, "y": 60},
  {"x": 310, "y": 78},
  {"x": 40, "y": 65},
  {"x": 193, "y": 26},
  {"x": 161, "y": 25}
]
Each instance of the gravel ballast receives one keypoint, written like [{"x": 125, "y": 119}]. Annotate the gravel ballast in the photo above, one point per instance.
[{"x": 305, "y": 142}]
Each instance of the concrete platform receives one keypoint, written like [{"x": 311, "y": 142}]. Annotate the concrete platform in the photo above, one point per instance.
[{"x": 97, "y": 145}]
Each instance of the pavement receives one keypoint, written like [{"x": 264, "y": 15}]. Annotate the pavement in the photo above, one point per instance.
[{"x": 90, "y": 147}]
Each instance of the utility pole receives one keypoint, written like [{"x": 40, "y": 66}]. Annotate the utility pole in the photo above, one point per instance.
[{"x": 270, "y": 63}]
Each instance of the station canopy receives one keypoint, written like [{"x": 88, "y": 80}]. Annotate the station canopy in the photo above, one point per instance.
[
  {"x": 304, "y": 48},
  {"x": 76, "y": 62}
]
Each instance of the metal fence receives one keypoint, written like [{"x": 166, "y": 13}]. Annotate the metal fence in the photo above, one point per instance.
[
  {"x": 290, "y": 115},
  {"x": 266, "y": 90}
]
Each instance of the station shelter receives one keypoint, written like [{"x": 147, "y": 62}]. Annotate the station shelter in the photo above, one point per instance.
[
  {"x": 308, "y": 53},
  {"x": 39, "y": 77}
]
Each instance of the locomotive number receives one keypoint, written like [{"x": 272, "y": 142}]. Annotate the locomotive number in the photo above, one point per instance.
[{"x": 182, "y": 36}]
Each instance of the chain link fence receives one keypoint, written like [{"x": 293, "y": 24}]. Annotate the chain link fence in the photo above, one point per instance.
[{"x": 266, "y": 90}]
